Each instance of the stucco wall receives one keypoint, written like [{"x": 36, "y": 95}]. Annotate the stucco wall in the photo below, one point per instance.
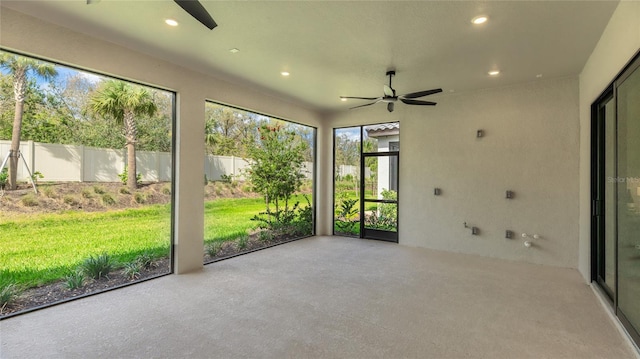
[
  {"x": 618, "y": 44},
  {"x": 530, "y": 147}
]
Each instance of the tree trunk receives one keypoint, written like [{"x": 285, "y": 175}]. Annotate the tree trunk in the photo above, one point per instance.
[
  {"x": 131, "y": 134},
  {"x": 19, "y": 82}
]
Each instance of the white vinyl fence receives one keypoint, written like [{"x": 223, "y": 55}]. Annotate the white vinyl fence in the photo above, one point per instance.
[{"x": 70, "y": 163}]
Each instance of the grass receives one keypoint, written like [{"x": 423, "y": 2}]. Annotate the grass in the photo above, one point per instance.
[{"x": 39, "y": 249}]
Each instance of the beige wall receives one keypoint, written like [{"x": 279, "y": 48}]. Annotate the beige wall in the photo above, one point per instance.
[
  {"x": 617, "y": 45},
  {"x": 530, "y": 147},
  {"x": 35, "y": 37}
]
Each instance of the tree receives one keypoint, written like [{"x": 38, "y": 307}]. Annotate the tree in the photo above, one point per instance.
[
  {"x": 123, "y": 102},
  {"x": 20, "y": 67},
  {"x": 277, "y": 162}
]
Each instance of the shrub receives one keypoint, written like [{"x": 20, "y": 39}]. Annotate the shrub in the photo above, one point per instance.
[
  {"x": 145, "y": 260},
  {"x": 29, "y": 200},
  {"x": 213, "y": 248},
  {"x": 4, "y": 178},
  {"x": 7, "y": 293},
  {"x": 265, "y": 236},
  {"x": 107, "y": 199},
  {"x": 140, "y": 197},
  {"x": 98, "y": 267},
  {"x": 36, "y": 176},
  {"x": 132, "y": 270},
  {"x": 71, "y": 200},
  {"x": 166, "y": 189},
  {"x": 75, "y": 280},
  {"x": 243, "y": 241},
  {"x": 87, "y": 193},
  {"x": 125, "y": 190},
  {"x": 50, "y": 192},
  {"x": 99, "y": 189},
  {"x": 124, "y": 176}
]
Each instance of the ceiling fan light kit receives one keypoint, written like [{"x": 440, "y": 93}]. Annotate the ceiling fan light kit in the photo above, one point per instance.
[{"x": 390, "y": 96}]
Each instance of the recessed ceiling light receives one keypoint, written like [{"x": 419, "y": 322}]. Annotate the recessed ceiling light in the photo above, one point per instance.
[
  {"x": 481, "y": 19},
  {"x": 494, "y": 73},
  {"x": 234, "y": 50},
  {"x": 285, "y": 73},
  {"x": 171, "y": 22},
  {"x": 539, "y": 75}
]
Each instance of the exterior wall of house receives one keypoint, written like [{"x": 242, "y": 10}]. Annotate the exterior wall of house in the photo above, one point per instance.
[
  {"x": 618, "y": 44},
  {"x": 36, "y": 37},
  {"x": 383, "y": 163},
  {"x": 531, "y": 147}
]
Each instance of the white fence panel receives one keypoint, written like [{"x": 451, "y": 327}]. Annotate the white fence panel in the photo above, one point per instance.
[
  {"x": 61, "y": 163},
  {"x": 100, "y": 165}
]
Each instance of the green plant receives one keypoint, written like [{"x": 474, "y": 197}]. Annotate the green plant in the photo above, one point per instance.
[
  {"x": 145, "y": 260},
  {"x": 7, "y": 293},
  {"x": 242, "y": 242},
  {"x": 99, "y": 189},
  {"x": 74, "y": 279},
  {"x": 226, "y": 178},
  {"x": 166, "y": 189},
  {"x": 124, "y": 190},
  {"x": 99, "y": 266},
  {"x": 214, "y": 248},
  {"x": 36, "y": 176},
  {"x": 132, "y": 270},
  {"x": 4, "y": 177},
  {"x": 107, "y": 199},
  {"x": 50, "y": 192},
  {"x": 29, "y": 200},
  {"x": 87, "y": 193},
  {"x": 265, "y": 236},
  {"x": 124, "y": 177},
  {"x": 140, "y": 197},
  {"x": 71, "y": 200}
]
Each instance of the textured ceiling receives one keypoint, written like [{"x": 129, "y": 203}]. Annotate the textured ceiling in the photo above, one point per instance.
[{"x": 334, "y": 48}]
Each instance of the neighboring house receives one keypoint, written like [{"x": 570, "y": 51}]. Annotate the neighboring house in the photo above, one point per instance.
[{"x": 388, "y": 137}]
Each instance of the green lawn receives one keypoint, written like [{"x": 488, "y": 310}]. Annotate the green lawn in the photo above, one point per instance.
[{"x": 37, "y": 249}]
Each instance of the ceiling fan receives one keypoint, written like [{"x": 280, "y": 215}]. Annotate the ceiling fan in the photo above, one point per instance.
[
  {"x": 195, "y": 9},
  {"x": 390, "y": 96}
]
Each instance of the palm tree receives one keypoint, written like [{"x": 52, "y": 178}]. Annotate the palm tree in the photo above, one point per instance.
[
  {"x": 123, "y": 102},
  {"x": 20, "y": 67}
]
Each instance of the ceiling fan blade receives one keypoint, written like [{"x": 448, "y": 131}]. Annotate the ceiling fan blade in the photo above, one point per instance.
[
  {"x": 368, "y": 104},
  {"x": 388, "y": 91},
  {"x": 421, "y": 93},
  {"x": 195, "y": 9},
  {"x": 390, "y": 106},
  {"x": 417, "y": 102},
  {"x": 361, "y": 98}
]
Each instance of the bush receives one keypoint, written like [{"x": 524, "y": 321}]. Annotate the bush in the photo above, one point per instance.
[
  {"x": 243, "y": 242},
  {"x": 4, "y": 178},
  {"x": 71, "y": 200},
  {"x": 107, "y": 199},
  {"x": 75, "y": 280},
  {"x": 213, "y": 248},
  {"x": 166, "y": 189},
  {"x": 87, "y": 193},
  {"x": 36, "y": 176},
  {"x": 99, "y": 189},
  {"x": 265, "y": 236},
  {"x": 145, "y": 260},
  {"x": 98, "y": 267},
  {"x": 132, "y": 270},
  {"x": 29, "y": 200},
  {"x": 124, "y": 190},
  {"x": 7, "y": 293},
  {"x": 140, "y": 198},
  {"x": 124, "y": 176},
  {"x": 49, "y": 192}
]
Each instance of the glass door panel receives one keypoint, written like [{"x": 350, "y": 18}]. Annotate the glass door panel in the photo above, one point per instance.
[
  {"x": 380, "y": 203},
  {"x": 628, "y": 184}
]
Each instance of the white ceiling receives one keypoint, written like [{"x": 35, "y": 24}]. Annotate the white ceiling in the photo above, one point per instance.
[{"x": 334, "y": 48}]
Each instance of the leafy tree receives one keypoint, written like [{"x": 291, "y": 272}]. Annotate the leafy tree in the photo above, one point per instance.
[
  {"x": 123, "y": 102},
  {"x": 276, "y": 168},
  {"x": 20, "y": 67}
]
